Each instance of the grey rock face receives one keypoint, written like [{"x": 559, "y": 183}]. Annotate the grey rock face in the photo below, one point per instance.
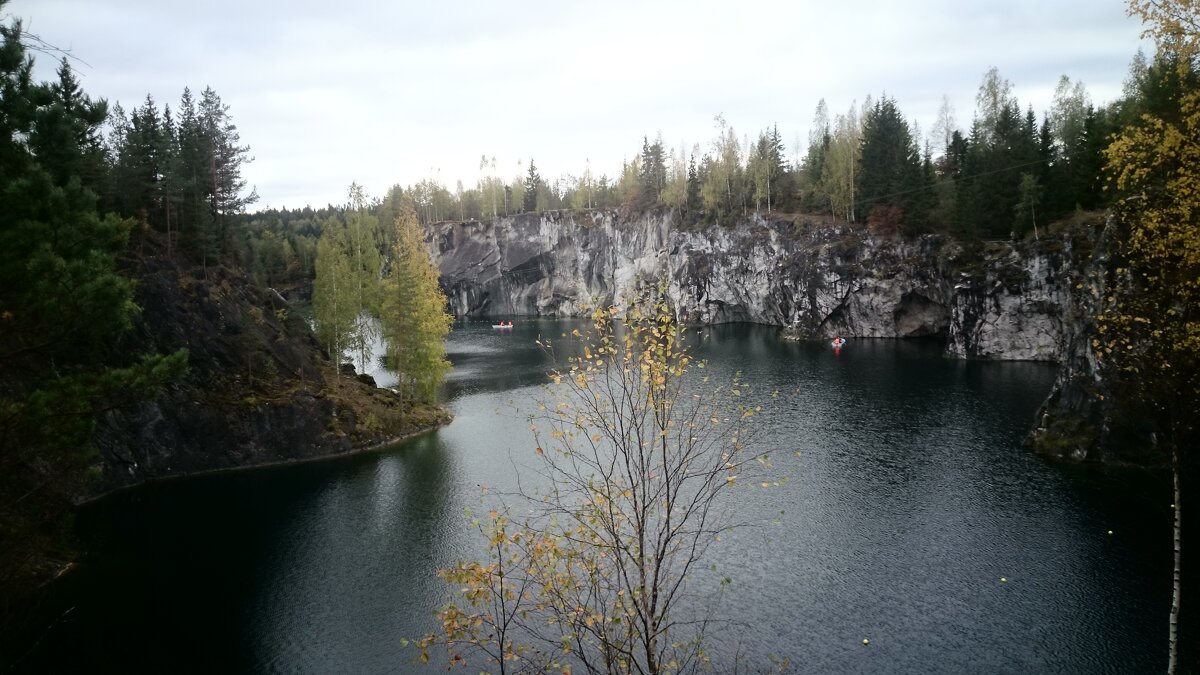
[
  {"x": 1010, "y": 307},
  {"x": 1004, "y": 304},
  {"x": 1086, "y": 416}
]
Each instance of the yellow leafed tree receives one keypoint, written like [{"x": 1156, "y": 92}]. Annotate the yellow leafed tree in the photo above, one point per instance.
[
  {"x": 1149, "y": 332},
  {"x": 413, "y": 316},
  {"x": 601, "y": 570}
]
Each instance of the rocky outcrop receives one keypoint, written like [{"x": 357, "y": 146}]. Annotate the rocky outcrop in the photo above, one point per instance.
[
  {"x": 1004, "y": 301},
  {"x": 1084, "y": 418},
  {"x": 259, "y": 388},
  {"x": 1009, "y": 303}
]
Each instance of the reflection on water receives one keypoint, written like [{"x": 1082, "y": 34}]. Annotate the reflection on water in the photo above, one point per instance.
[{"x": 910, "y": 497}]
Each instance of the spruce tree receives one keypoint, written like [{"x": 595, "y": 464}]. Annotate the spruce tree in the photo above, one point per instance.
[
  {"x": 693, "y": 205},
  {"x": 141, "y": 162},
  {"x": 1003, "y": 145},
  {"x": 533, "y": 184},
  {"x": 652, "y": 175},
  {"x": 66, "y": 137},
  {"x": 188, "y": 171},
  {"x": 813, "y": 197},
  {"x": 780, "y": 176},
  {"x": 889, "y": 175}
]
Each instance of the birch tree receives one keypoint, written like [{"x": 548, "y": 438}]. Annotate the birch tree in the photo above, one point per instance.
[
  {"x": 1149, "y": 332},
  {"x": 334, "y": 309},
  {"x": 360, "y": 243},
  {"x": 841, "y": 162},
  {"x": 641, "y": 459}
]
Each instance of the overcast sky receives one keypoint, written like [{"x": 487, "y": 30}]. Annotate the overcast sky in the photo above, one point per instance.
[{"x": 384, "y": 92}]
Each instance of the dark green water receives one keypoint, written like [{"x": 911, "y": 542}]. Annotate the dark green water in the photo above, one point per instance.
[{"x": 911, "y": 497}]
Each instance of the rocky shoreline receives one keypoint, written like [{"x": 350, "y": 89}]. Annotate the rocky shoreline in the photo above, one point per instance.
[
  {"x": 259, "y": 389},
  {"x": 266, "y": 465}
]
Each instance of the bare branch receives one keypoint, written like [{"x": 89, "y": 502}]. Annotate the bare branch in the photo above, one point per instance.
[{"x": 635, "y": 454}]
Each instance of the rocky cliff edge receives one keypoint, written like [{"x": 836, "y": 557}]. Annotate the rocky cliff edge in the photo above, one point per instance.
[{"x": 259, "y": 388}]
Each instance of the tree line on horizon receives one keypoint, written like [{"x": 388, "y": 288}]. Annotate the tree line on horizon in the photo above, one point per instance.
[
  {"x": 1008, "y": 173},
  {"x": 1010, "y": 169}
]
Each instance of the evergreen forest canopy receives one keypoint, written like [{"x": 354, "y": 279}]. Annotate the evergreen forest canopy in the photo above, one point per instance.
[{"x": 66, "y": 305}]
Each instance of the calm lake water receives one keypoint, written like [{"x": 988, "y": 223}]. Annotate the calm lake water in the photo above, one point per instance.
[{"x": 910, "y": 498}]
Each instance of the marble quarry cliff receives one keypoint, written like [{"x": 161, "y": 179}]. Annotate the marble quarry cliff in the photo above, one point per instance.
[{"x": 995, "y": 300}]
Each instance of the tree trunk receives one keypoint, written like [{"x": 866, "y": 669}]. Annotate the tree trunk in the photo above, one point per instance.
[
  {"x": 851, "y": 218},
  {"x": 1173, "y": 644},
  {"x": 168, "y": 229}
]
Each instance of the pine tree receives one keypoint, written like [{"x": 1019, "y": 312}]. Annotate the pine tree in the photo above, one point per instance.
[
  {"x": 223, "y": 178},
  {"x": 180, "y": 177}
]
